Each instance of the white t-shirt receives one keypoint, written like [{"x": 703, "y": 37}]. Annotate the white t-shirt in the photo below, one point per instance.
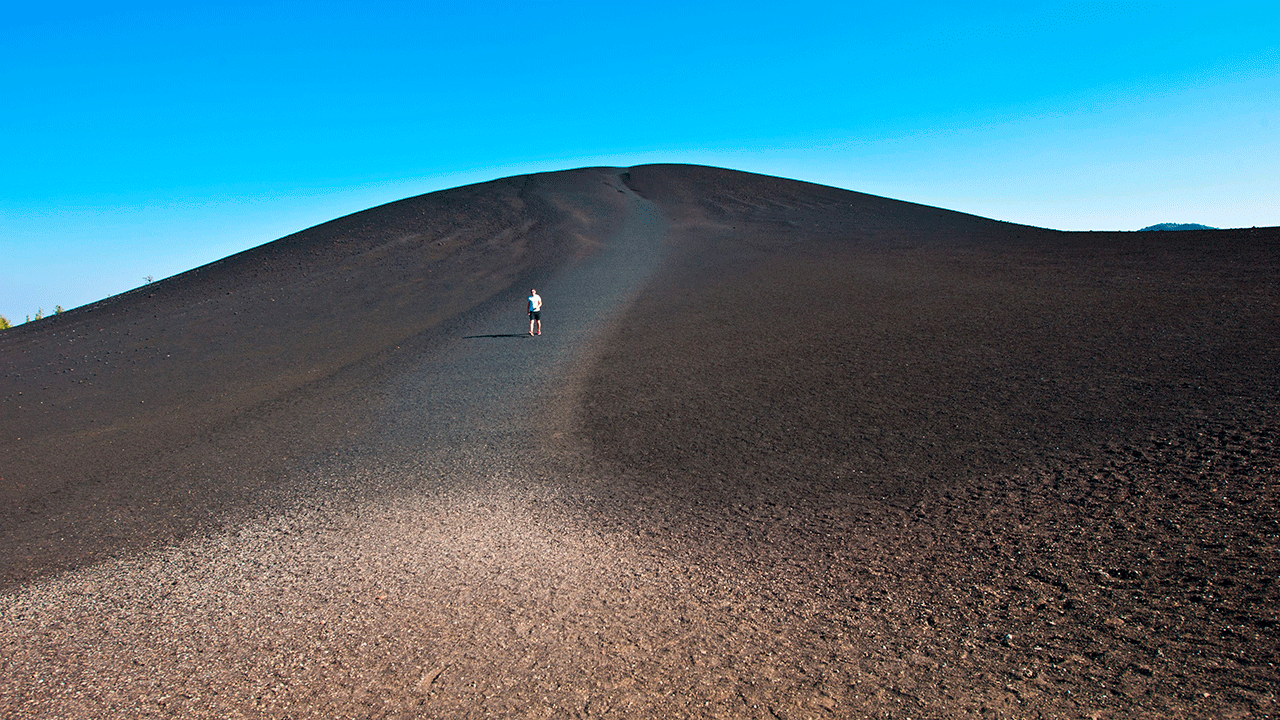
[{"x": 535, "y": 302}]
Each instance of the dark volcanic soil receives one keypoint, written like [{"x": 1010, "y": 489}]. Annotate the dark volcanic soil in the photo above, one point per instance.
[{"x": 782, "y": 451}]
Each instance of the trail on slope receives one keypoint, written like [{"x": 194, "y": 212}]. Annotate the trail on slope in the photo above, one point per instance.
[{"x": 424, "y": 569}]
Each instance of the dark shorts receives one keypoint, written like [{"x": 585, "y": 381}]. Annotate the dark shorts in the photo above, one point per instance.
[{"x": 535, "y": 314}]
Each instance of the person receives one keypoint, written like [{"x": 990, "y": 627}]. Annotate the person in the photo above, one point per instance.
[{"x": 535, "y": 312}]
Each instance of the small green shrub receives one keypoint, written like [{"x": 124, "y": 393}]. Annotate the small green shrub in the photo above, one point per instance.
[{"x": 5, "y": 324}]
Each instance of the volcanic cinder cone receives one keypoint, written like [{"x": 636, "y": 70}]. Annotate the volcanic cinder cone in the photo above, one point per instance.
[{"x": 782, "y": 450}]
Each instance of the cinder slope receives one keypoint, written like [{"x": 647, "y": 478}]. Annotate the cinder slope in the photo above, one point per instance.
[
  {"x": 143, "y": 416},
  {"x": 783, "y": 451},
  {"x": 978, "y": 468},
  {"x": 875, "y": 346}
]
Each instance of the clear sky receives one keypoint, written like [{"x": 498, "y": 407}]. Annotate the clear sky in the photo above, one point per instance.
[{"x": 144, "y": 139}]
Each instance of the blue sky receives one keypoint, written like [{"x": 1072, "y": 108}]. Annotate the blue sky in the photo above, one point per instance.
[{"x": 141, "y": 139}]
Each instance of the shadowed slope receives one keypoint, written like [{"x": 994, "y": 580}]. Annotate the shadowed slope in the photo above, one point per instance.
[
  {"x": 979, "y": 468},
  {"x": 869, "y": 345}
]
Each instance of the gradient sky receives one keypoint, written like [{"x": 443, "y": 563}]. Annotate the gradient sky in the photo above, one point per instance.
[{"x": 141, "y": 139}]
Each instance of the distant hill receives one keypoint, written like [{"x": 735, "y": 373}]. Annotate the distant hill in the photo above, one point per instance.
[{"x": 1177, "y": 226}]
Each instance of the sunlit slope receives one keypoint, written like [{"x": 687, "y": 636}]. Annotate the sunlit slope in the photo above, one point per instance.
[{"x": 91, "y": 393}]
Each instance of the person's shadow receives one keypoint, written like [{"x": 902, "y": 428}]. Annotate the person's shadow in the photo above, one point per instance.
[{"x": 514, "y": 335}]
